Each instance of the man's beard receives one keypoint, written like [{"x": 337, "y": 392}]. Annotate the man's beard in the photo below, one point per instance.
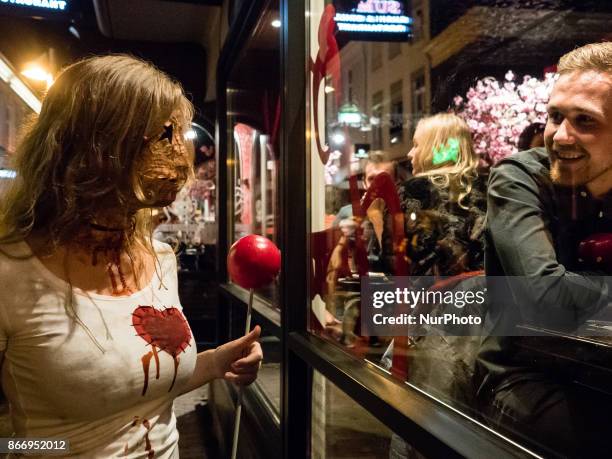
[
  {"x": 565, "y": 176},
  {"x": 575, "y": 178},
  {"x": 564, "y": 179}
]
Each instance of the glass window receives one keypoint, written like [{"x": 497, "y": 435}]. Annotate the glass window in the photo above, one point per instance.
[
  {"x": 341, "y": 428},
  {"x": 376, "y": 120},
  {"x": 419, "y": 20},
  {"x": 396, "y": 125},
  {"x": 268, "y": 377},
  {"x": 13, "y": 113},
  {"x": 475, "y": 78},
  {"x": 253, "y": 121},
  {"x": 253, "y": 101},
  {"x": 376, "y": 56},
  {"x": 418, "y": 98}
]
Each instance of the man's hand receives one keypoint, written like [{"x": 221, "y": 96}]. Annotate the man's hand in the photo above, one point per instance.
[{"x": 239, "y": 361}]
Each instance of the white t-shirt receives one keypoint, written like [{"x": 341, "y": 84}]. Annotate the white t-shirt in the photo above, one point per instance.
[{"x": 107, "y": 386}]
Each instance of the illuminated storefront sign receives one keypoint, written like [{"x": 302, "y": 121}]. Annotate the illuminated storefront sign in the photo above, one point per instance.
[
  {"x": 349, "y": 114},
  {"x": 373, "y": 20},
  {"x": 59, "y": 5},
  {"x": 19, "y": 87}
]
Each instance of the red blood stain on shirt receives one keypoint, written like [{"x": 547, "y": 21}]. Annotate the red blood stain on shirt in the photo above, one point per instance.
[
  {"x": 166, "y": 330},
  {"x": 148, "y": 448}
]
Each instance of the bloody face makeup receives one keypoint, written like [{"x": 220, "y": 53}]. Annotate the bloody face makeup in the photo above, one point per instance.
[{"x": 163, "y": 166}]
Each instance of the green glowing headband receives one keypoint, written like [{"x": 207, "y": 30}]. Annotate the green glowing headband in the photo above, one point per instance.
[{"x": 446, "y": 152}]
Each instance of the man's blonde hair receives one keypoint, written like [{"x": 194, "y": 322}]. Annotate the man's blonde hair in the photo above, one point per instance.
[{"x": 594, "y": 56}]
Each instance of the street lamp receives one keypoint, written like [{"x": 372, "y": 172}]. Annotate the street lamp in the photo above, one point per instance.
[{"x": 41, "y": 68}]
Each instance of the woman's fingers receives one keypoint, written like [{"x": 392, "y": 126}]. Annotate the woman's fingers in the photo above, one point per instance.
[
  {"x": 250, "y": 361},
  {"x": 243, "y": 379},
  {"x": 243, "y": 371}
]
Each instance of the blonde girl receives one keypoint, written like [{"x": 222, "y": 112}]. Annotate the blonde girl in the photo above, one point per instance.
[{"x": 443, "y": 152}]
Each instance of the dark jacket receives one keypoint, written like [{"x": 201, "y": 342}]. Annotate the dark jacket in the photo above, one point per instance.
[
  {"x": 533, "y": 230},
  {"x": 443, "y": 237}
]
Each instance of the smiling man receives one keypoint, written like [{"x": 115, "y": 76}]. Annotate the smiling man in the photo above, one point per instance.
[
  {"x": 542, "y": 205},
  {"x": 578, "y": 133}
]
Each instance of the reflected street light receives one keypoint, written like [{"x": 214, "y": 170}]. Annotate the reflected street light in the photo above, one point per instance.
[
  {"x": 338, "y": 138},
  {"x": 37, "y": 73},
  {"x": 41, "y": 69}
]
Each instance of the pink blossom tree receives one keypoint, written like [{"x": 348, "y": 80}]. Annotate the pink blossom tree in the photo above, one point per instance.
[{"x": 497, "y": 112}]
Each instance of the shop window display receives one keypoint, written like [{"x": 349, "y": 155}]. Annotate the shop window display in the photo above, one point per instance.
[
  {"x": 468, "y": 83},
  {"x": 253, "y": 139},
  {"x": 188, "y": 224},
  {"x": 254, "y": 104},
  {"x": 13, "y": 112}
]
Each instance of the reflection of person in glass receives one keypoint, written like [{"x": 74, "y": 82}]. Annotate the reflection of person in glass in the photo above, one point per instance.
[
  {"x": 94, "y": 345},
  {"x": 444, "y": 203},
  {"x": 444, "y": 208},
  {"x": 541, "y": 204},
  {"x": 377, "y": 243},
  {"x": 531, "y": 137},
  {"x": 375, "y": 164}
]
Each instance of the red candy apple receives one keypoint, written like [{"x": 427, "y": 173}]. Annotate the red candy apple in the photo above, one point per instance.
[{"x": 253, "y": 261}]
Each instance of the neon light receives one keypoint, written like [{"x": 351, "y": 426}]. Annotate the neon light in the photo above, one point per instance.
[
  {"x": 375, "y": 16},
  {"x": 349, "y": 118},
  {"x": 380, "y": 7},
  {"x": 372, "y": 18},
  {"x": 26, "y": 95},
  {"x": 349, "y": 114},
  {"x": 387, "y": 28},
  {"x": 7, "y": 74},
  {"x": 5, "y": 71},
  {"x": 344, "y": 17},
  {"x": 58, "y": 5},
  {"x": 7, "y": 173}
]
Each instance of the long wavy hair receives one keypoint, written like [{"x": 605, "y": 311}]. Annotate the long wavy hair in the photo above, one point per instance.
[
  {"x": 76, "y": 158},
  {"x": 457, "y": 177}
]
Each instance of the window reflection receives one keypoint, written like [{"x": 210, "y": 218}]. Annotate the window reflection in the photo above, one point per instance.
[
  {"x": 343, "y": 428},
  {"x": 254, "y": 118},
  {"x": 402, "y": 148}
]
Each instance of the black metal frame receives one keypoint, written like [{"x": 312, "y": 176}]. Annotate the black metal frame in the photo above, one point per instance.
[
  {"x": 254, "y": 400},
  {"x": 296, "y": 373},
  {"x": 433, "y": 429},
  {"x": 236, "y": 38}
]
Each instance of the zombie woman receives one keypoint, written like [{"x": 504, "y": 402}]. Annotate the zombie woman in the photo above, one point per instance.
[{"x": 94, "y": 344}]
